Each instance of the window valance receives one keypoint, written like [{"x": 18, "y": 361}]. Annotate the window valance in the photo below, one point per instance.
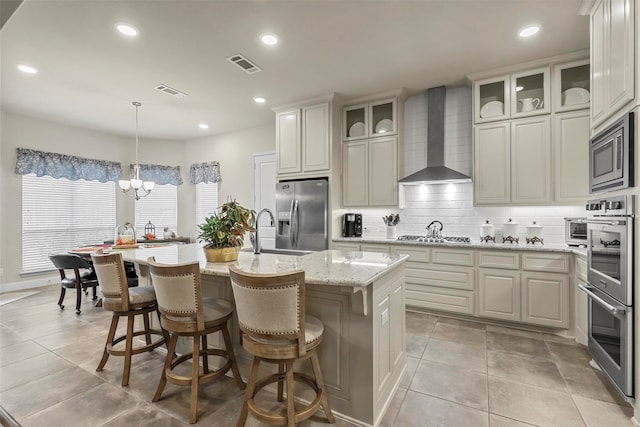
[
  {"x": 204, "y": 172},
  {"x": 159, "y": 174},
  {"x": 64, "y": 166}
]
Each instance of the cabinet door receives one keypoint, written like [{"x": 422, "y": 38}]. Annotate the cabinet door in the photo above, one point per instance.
[
  {"x": 383, "y": 172},
  {"x": 355, "y": 122},
  {"x": 499, "y": 294},
  {"x": 545, "y": 299},
  {"x": 349, "y": 247},
  {"x": 531, "y": 161},
  {"x": 369, "y": 247},
  {"x": 571, "y": 86},
  {"x": 491, "y": 159},
  {"x": 598, "y": 64},
  {"x": 571, "y": 140},
  {"x": 491, "y": 99},
  {"x": 383, "y": 118},
  {"x": 355, "y": 173},
  {"x": 530, "y": 93},
  {"x": 315, "y": 138},
  {"x": 288, "y": 141},
  {"x": 620, "y": 58}
]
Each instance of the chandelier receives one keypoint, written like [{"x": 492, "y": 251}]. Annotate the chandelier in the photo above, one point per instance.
[{"x": 140, "y": 188}]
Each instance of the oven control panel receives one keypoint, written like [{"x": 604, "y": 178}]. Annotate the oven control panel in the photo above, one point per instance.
[{"x": 611, "y": 206}]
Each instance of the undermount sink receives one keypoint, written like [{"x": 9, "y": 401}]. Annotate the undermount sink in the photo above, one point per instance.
[{"x": 292, "y": 252}]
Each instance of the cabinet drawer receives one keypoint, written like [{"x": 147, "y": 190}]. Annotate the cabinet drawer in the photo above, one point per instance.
[
  {"x": 499, "y": 259},
  {"x": 452, "y": 256},
  {"x": 452, "y": 300},
  {"x": 383, "y": 249},
  {"x": 581, "y": 268},
  {"x": 417, "y": 254},
  {"x": 351, "y": 247},
  {"x": 444, "y": 277},
  {"x": 546, "y": 262}
]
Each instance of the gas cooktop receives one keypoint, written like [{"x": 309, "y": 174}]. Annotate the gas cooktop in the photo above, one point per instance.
[{"x": 443, "y": 239}]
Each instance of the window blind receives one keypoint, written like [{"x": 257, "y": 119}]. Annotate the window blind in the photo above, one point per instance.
[
  {"x": 206, "y": 201},
  {"x": 59, "y": 215},
  {"x": 160, "y": 207}
]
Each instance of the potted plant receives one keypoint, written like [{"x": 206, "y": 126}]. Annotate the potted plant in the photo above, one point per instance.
[{"x": 223, "y": 232}]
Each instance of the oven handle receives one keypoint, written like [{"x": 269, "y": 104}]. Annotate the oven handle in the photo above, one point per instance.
[
  {"x": 605, "y": 222},
  {"x": 613, "y": 310}
]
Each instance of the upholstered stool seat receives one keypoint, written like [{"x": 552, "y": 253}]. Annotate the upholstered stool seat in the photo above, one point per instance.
[
  {"x": 185, "y": 313},
  {"x": 275, "y": 329},
  {"x": 127, "y": 302}
]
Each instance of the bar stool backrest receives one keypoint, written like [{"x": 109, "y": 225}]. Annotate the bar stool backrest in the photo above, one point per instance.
[{"x": 113, "y": 280}]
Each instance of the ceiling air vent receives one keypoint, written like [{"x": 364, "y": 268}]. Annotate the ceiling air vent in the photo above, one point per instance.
[
  {"x": 170, "y": 91},
  {"x": 242, "y": 62}
]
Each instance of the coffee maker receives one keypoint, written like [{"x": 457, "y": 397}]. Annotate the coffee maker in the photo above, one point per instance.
[{"x": 352, "y": 225}]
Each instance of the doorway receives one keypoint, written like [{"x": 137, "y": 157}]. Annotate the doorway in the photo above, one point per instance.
[{"x": 264, "y": 195}]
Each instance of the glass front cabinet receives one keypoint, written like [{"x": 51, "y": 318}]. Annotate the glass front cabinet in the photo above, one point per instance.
[
  {"x": 370, "y": 120},
  {"x": 571, "y": 86}
]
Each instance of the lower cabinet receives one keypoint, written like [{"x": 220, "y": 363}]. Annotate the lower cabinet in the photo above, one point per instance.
[
  {"x": 545, "y": 299},
  {"x": 499, "y": 294}
]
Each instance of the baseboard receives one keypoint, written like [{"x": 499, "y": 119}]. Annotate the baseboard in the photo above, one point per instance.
[{"x": 29, "y": 284}]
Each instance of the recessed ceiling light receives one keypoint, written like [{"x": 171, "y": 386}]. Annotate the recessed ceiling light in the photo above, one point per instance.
[
  {"x": 519, "y": 88},
  {"x": 269, "y": 39},
  {"x": 126, "y": 29},
  {"x": 529, "y": 31},
  {"x": 203, "y": 126},
  {"x": 259, "y": 100},
  {"x": 27, "y": 69}
]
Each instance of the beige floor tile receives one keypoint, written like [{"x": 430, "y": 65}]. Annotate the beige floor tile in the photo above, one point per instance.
[
  {"x": 31, "y": 369},
  {"x": 450, "y": 383},
  {"x": 420, "y": 323},
  {"x": 587, "y": 382},
  {"x": 420, "y": 410},
  {"x": 576, "y": 355},
  {"x": 533, "y": 405},
  {"x": 77, "y": 335},
  {"x": 454, "y": 354},
  {"x": 464, "y": 323},
  {"x": 598, "y": 414},
  {"x": 459, "y": 334},
  {"x": 415, "y": 345},
  {"x": 517, "y": 344},
  {"x": 145, "y": 415},
  {"x": 412, "y": 364},
  {"x": 390, "y": 415},
  {"x": 20, "y": 351},
  {"x": 524, "y": 369},
  {"x": 498, "y": 421},
  {"x": 90, "y": 350},
  {"x": 9, "y": 337}
]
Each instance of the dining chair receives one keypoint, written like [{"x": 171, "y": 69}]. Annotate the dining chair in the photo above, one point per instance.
[
  {"x": 83, "y": 277},
  {"x": 129, "y": 302},
  {"x": 184, "y": 312},
  {"x": 275, "y": 328}
]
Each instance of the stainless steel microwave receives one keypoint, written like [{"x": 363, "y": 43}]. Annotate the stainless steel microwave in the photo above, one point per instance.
[{"x": 611, "y": 157}]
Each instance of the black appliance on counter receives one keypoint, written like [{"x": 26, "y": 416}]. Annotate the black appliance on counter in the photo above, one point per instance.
[{"x": 352, "y": 225}]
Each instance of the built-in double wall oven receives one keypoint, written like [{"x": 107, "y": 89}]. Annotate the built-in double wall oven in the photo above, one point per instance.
[{"x": 610, "y": 224}]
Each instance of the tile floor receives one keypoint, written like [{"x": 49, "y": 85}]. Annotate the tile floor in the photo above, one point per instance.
[{"x": 458, "y": 374}]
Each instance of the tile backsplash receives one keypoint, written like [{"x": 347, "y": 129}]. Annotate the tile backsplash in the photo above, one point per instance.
[{"x": 452, "y": 204}]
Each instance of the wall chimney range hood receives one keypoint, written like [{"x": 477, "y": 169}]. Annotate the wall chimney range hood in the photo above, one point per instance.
[{"x": 435, "y": 172}]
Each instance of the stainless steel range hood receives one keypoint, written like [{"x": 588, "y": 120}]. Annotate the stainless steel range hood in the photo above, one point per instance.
[{"x": 435, "y": 172}]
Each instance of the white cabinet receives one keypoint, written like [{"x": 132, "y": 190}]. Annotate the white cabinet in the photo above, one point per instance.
[
  {"x": 545, "y": 299},
  {"x": 612, "y": 58},
  {"x": 370, "y": 172},
  {"x": 581, "y": 301},
  {"x": 499, "y": 294},
  {"x": 369, "y": 120},
  {"x": 303, "y": 142},
  {"x": 512, "y": 162},
  {"x": 571, "y": 86},
  {"x": 571, "y": 156},
  {"x": 531, "y": 160},
  {"x": 344, "y": 246}
]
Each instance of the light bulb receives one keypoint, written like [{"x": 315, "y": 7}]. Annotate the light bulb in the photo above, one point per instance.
[
  {"x": 124, "y": 184},
  {"x": 136, "y": 184},
  {"x": 148, "y": 185}
]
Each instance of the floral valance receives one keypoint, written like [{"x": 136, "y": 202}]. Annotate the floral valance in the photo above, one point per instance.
[
  {"x": 159, "y": 174},
  {"x": 204, "y": 172},
  {"x": 63, "y": 166}
]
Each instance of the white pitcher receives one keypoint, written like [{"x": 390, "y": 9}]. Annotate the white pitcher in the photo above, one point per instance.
[{"x": 530, "y": 104}]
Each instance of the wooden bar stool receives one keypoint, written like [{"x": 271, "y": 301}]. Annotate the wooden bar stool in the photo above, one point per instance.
[
  {"x": 275, "y": 329},
  {"x": 185, "y": 313},
  {"x": 127, "y": 302}
]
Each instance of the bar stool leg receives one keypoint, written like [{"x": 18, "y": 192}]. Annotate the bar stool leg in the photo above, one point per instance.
[
  {"x": 232, "y": 356},
  {"x": 110, "y": 336},
  {"x": 317, "y": 372},
  {"x": 205, "y": 356},
  {"x": 280, "y": 380},
  {"x": 173, "y": 341},
  {"x": 147, "y": 335},
  {"x": 128, "y": 350},
  {"x": 248, "y": 394},
  {"x": 291, "y": 410},
  {"x": 195, "y": 367}
]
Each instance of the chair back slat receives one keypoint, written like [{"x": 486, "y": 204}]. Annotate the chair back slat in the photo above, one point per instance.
[
  {"x": 68, "y": 261},
  {"x": 112, "y": 277},
  {"x": 270, "y": 305}
]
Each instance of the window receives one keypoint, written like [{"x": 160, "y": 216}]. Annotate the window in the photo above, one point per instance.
[
  {"x": 206, "y": 201},
  {"x": 160, "y": 207},
  {"x": 59, "y": 215}
]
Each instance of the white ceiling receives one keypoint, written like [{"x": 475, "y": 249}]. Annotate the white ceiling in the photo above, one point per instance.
[{"x": 89, "y": 74}]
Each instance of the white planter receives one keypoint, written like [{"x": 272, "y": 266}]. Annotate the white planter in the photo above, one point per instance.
[{"x": 392, "y": 232}]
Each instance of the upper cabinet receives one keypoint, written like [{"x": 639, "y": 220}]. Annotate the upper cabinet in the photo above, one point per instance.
[
  {"x": 303, "y": 140},
  {"x": 571, "y": 86},
  {"x": 370, "y": 120},
  {"x": 613, "y": 58}
]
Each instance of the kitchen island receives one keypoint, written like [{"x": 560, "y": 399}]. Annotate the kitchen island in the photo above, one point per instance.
[{"x": 359, "y": 296}]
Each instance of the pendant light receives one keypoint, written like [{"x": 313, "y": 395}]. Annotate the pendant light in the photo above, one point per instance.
[{"x": 140, "y": 188}]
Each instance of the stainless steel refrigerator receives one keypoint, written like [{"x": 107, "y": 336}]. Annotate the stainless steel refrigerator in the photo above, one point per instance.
[{"x": 302, "y": 215}]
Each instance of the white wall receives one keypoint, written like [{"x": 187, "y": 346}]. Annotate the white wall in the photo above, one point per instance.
[{"x": 453, "y": 204}]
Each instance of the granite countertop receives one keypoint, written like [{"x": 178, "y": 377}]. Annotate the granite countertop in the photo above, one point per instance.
[
  {"x": 553, "y": 247},
  {"x": 331, "y": 267}
]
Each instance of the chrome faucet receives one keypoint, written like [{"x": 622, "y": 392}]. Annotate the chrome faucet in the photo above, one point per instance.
[{"x": 255, "y": 238}]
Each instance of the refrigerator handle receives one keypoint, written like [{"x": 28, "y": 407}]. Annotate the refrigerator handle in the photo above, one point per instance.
[
  {"x": 291, "y": 223},
  {"x": 294, "y": 222}
]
